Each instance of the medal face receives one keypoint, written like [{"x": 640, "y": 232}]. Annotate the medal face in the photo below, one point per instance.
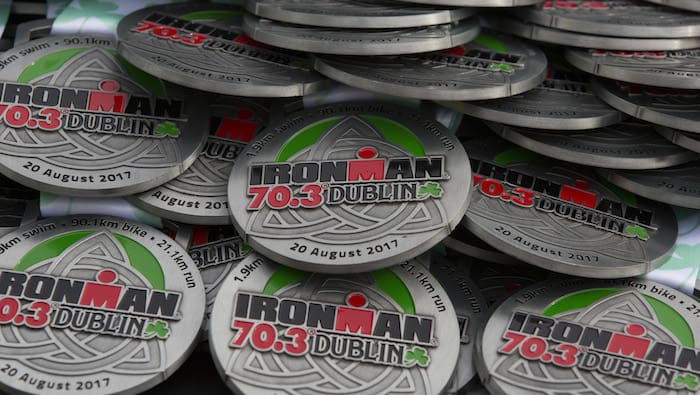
[
  {"x": 562, "y": 217},
  {"x": 385, "y": 332},
  {"x": 349, "y": 188},
  {"x": 629, "y": 336},
  {"x": 95, "y": 302},
  {"x": 203, "y": 46},
  {"x": 78, "y": 119}
]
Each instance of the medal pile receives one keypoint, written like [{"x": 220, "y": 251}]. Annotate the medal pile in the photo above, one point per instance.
[{"x": 327, "y": 197}]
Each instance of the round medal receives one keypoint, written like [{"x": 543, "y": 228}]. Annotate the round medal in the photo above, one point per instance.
[
  {"x": 382, "y": 332},
  {"x": 349, "y": 187},
  {"x": 94, "y": 304}
]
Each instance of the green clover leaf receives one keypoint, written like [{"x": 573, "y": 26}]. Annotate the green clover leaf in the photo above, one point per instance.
[
  {"x": 637, "y": 231},
  {"x": 430, "y": 189},
  {"x": 157, "y": 328},
  {"x": 688, "y": 380},
  {"x": 501, "y": 67},
  {"x": 169, "y": 128},
  {"x": 417, "y": 355}
]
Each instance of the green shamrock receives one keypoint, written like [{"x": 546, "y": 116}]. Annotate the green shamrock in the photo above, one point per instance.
[
  {"x": 430, "y": 189},
  {"x": 688, "y": 380},
  {"x": 637, "y": 231},
  {"x": 501, "y": 67},
  {"x": 157, "y": 328},
  {"x": 168, "y": 127},
  {"x": 417, "y": 355},
  {"x": 89, "y": 9}
]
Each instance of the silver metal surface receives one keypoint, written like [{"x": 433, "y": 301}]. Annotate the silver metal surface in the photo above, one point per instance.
[
  {"x": 90, "y": 124},
  {"x": 368, "y": 42},
  {"x": 372, "y": 185},
  {"x": 568, "y": 38},
  {"x": 494, "y": 65},
  {"x": 686, "y": 140},
  {"x": 678, "y": 185},
  {"x": 361, "y": 307},
  {"x": 476, "y": 3},
  {"x": 472, "y": 312},
  {"x": 223, "y": 60},
  {"x": 615, "y": 18},
  {"x": 626, "y": 145},
  {"x": 131, "y": 316},
  {"x": 30, "y": 30},
  {"x": 691, "y": 5},
  {"x": 674, "y": 108},
  {"x": 199, "y": 195},
  {"x": 561, "y": 217},
  {"x": 671, "y": 69},
  {"x": 562, "y": 102},
  {"x": 356, "y": 14},
  {"x": 630, "y": 319}
]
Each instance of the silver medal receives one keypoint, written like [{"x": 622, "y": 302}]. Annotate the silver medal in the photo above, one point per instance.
[
  {"x": 671, "y": 69},
  {"x": 675, "y": 108},
  {"x": 626, "y": 145},
  {"x": 563, "y": 101},
  {"x": 492, "y": 66},
  {"x": 203, "y": 46},
  {"x": 615, "y": 18},
  {"x": 369, "y": 42},
  {"x": 383, "y": 332},
  {"x": 596, "y": 337},
  {"x": 78, "y": 119},
  {"x": 678, "y": 185},
  {"x": 691, "y": 5},
  {"x": 98, "y": 305},
  {"x": 561, "y": 217},
  {"x": 355, "y": 14},
  {"x": 349, "y": 187},
  {"x": 563, "y": 37},
  {"x": 690, "y": 141}
]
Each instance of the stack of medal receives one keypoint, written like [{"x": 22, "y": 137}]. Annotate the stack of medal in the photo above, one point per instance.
[
  {"x": 84, "y": 121},
  {"x": 339, "y": 316},
  {"x": 378, "y": 256},
  {"x": 91, "y": 303},
  {"x": 569, "y": 334}
]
